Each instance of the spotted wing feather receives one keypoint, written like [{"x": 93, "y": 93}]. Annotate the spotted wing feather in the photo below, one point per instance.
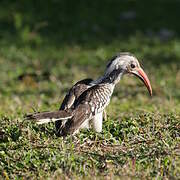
[
  {"x": 89, "y": 103},
  {"x": 71, "y": 97}
]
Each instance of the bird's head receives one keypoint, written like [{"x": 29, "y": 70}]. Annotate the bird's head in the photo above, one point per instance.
[{"x": 126, "y": 63}]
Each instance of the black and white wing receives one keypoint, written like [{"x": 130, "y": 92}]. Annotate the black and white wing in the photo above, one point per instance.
[
  {"x": 71, "y": 97},
  {"x": 91, "y": 102}
]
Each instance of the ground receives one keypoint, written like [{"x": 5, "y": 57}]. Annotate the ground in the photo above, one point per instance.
[{"x": 141, "y": 136}]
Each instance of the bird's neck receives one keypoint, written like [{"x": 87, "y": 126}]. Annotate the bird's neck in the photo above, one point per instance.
[{"x": 113, "y": 78}]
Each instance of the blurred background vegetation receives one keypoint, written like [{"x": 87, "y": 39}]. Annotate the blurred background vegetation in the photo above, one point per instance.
[
  {"x": 60, "y": 38},
  {"x": 46, "y": 46},
  {"x": 86, "y": 22}
]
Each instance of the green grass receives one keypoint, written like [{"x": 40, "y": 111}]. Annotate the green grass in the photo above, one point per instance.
[{"x": 141, "y": 137}]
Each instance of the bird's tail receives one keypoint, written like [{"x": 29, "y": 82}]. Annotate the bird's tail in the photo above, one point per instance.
[{"x": 46, "y": 117}]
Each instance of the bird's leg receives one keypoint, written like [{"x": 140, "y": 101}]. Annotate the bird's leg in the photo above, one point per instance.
[
  {"x": 97, "y": 122},
  {"x": 104, "y": 115}
]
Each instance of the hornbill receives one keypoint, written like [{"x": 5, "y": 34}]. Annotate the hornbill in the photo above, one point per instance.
[{"x": 87, "y": 99}]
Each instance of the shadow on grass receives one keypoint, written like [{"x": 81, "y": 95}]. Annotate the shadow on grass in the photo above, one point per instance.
[{"x": 86, "y": 22}]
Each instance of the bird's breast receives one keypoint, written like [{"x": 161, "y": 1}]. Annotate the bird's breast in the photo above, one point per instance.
[{"x": 100, "y": 98}]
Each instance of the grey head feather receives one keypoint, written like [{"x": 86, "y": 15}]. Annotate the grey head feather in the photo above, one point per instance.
[{"x": 118, "y": 55}]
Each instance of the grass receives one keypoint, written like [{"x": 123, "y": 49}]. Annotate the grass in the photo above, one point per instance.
[{"x": 140, "y": 138}]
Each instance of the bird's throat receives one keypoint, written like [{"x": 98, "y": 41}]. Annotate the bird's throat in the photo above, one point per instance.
[{"x": 112, "y": 78}]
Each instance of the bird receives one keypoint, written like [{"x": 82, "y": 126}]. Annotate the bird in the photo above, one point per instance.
[{"x": 87, "y": 99}]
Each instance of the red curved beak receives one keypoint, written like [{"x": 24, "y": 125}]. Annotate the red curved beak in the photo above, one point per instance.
[{"x": 142, "y": 75}]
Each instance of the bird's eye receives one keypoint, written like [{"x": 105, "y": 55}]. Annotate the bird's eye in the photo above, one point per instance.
[{"x": 133, "y": 66}]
